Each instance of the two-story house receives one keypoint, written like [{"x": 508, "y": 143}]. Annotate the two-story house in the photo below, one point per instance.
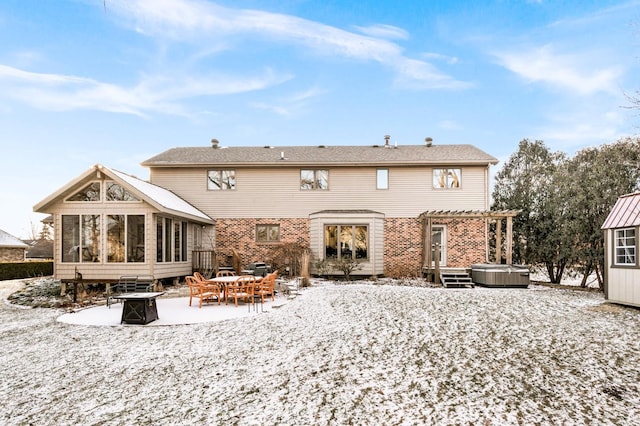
[{"x": 383, "y": 206}]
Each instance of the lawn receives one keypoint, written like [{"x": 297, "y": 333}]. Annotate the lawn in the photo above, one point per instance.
[{"x": 365, "y": 354}]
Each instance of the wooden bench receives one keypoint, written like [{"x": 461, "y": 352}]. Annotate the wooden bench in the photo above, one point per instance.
[{"x": 130, "y": 284}]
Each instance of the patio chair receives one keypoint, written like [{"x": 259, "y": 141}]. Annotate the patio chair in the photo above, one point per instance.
[
  {"x": 266, "y": 286},
  {"x": 198, "y": 276},
  {"x": 203, "y": 291},
  {"x": 225, "y": 273},
  {"x": 241, "y": 289}
]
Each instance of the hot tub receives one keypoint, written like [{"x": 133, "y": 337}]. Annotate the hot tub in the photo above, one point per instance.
[{"x": 498, "y": 275}]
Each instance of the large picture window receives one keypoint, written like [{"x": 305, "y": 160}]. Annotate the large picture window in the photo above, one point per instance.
[
  {"x": 81, "y": 238},
  {"x": 314, "y": 179},
  {"x": 346, "y": 242},
  {"x": 115, "y": 238},
  {"x": 446, "y": 178},
  {"x": 625, "y": 246},
  {"x": 221, "y": 180},
  {"x": 135, "y": 238}
]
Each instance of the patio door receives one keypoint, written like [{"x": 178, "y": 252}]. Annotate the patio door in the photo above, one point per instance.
[{"x": 439, "y": 236}]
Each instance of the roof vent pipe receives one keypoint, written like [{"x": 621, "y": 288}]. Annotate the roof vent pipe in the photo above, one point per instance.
[
  {"x": 214, "y": 143},
  {"x": 386, "y": 141},
  {"x": 428, "y": 142}
]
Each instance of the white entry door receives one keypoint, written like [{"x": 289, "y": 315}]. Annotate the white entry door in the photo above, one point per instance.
[{"x": 439, "y": 236}]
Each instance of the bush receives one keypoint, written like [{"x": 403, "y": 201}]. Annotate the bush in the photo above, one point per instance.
[{"x": 17, "y": 270}]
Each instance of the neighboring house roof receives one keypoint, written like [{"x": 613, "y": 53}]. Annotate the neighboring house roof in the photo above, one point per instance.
[
  {"x": 626, "y": 212},
  {"x": 40, "y": 249},
  {"x": 322, "y": 155},
  {"x": 9, "y": 241},
  {"x": 161, "y": 198}
]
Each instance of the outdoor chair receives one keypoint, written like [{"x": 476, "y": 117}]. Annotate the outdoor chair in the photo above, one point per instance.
[
  {"x": 266, "y": 286},
  {"x": 203, "y": 291},
  {"x": 225, "y": 273},
  {"x": 241, "y": 289},
  {"x": 198, "y": 276}
]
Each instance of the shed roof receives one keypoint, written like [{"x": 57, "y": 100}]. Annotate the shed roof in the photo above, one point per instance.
[
  {"x": 626, "y": 212},
  {"x": 271, "y": 156},
  {"x": 9, "y": 241}
]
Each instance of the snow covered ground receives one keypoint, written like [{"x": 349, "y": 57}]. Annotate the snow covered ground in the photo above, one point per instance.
[{"x": 365, "y": 354}]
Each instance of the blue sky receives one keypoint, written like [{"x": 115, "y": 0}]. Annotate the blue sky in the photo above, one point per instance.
[{"x": 118, "y": 81}]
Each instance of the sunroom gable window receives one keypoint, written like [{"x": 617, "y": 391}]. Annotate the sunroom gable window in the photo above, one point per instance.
[
  {"x": 91, "y": 192},
  {"x": 115, "y": 192}
]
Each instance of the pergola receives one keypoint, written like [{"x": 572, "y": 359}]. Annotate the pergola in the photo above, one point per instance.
[{"x": 496, "y": 217}]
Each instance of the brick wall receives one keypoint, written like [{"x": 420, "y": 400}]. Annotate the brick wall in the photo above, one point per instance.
[
  {"x": 8, "y": 254},
  {"x": 402, "y": 241},
  {"x": 404, "y": 238},
  {"x": 465, "y": 241},
  {"x": 402, "y": 247},
  {"x": 240, "y": 234}
]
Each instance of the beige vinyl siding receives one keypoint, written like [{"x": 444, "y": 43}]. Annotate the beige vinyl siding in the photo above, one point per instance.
[
  {"x": 375, "y": 224},
  {"x": 269, "y": 192},
  {"x": 112, "y": 271}
]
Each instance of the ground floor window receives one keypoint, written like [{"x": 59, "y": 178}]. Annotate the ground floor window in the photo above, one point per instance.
[
  {"x": 82, "y": 238},
  {"x": 346, "y": 242},
  {"x": 267, "y": 233},
  {"x": 625, "y": 246},
  {"x": 171, "y": 240}
]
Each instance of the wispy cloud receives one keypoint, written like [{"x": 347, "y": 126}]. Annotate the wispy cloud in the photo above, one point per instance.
[
  {"x": 291, "y": 105},
  {"x": 160, "y": 93},
  {"x": 198, "y": 21},
  {"x": 563, "y": 70},
  {"x": 384, "y": 31}
]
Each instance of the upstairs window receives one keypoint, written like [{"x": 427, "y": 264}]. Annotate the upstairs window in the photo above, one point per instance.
[
  {"x": 382, "y": 179},
  {"x": 314, "y": 179},
  {"x": 221, "y": 180},
  {"x": 625, "y": 247},
  {"x": 446, "y": 178},
  {"x": 267, "y": 233},
  {"x": 90, "y": 192}
]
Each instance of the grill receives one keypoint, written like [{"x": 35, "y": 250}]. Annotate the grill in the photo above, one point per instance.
[{"x": 498, "y": 275}]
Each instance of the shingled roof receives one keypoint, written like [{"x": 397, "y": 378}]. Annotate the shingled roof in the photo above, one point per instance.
[
  {"x": 9, "y": 241},
  {"x": 322, "y": 155}
]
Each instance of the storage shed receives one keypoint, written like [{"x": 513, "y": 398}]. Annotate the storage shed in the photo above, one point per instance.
[{"x": 622, "y": 269}]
